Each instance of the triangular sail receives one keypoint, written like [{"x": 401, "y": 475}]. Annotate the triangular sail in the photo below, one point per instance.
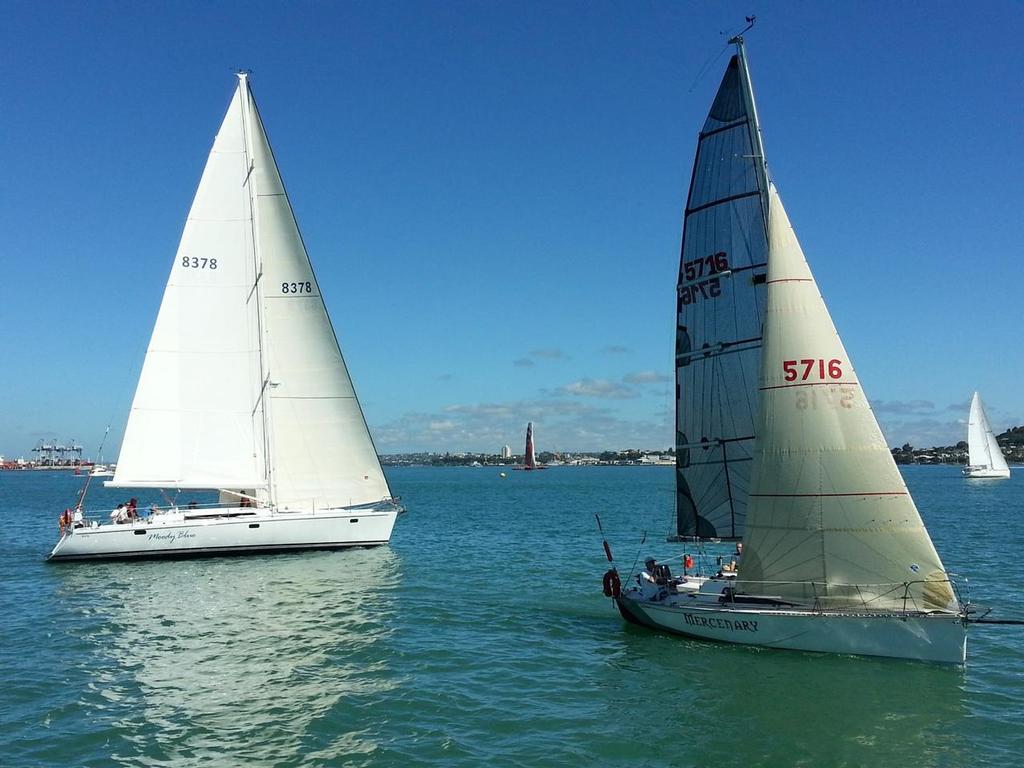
[
  {"x": 982, "y": 447},
  {"x": 195, "y": 421},
  {"x": 720, "y": 306},
  {"x": 244, "y": 386},
  {"x": 321, "y": 453},
  {"x": 829, "y": 508},
  {"x": 530, "y": 456}
]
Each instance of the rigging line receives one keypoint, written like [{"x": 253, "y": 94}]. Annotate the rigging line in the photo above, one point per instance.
[
  {"x": 731, "y": 40},
  {"x": 637, "y": 558},
  {"x": 707, "y": 64}
]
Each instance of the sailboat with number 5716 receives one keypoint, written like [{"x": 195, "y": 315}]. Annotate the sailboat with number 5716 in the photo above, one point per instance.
[
  {"x": 835, "y": 556},
  {"x": 244, "y": 390}
]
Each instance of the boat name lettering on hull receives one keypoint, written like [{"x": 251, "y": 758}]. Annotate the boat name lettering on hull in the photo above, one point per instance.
[
  {"x": 171, "y": 536},
  {"x": 716, "y": 623}
]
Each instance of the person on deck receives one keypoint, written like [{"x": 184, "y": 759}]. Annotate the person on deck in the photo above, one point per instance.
[
  {"x": 647, "y": 574},
  {"x": 733, "y": 566}
]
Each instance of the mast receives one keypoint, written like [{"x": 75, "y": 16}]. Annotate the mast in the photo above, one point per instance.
[
  {"x": 761, "y": 163},
  {"x": 264, "y": 396}
]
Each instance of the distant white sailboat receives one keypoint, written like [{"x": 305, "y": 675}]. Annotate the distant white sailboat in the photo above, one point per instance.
[
  {"x": 985, "y": 459},
  {"x": 244, "y": 389},
  {"x": 836, "y": 557}
]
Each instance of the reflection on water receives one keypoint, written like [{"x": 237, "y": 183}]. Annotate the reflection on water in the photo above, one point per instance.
[
  {"x": 195, "y": 660},
  {"x": 730, "y": 705}
]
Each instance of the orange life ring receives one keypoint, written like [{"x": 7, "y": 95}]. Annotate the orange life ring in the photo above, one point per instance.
[{"x": 612, "y": 584}]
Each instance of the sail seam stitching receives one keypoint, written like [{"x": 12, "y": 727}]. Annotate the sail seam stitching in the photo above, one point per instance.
[{"x": 815, "y": 384}]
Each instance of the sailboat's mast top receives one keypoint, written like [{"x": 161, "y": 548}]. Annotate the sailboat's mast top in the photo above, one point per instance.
[
  {"x": 748, "y": 97},
  {"x": 737, "y": 39}
]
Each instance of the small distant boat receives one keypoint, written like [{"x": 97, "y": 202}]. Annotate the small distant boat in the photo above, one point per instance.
[
  {"x": 835, "y": 555},
  {"x": 985, "y": 458},
  {"x": 243, "y": 390},
  {"x": 530, "y": 457},
  {"x": 101, "y": 470}
]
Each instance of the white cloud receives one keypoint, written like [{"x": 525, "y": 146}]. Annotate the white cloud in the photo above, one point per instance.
[
  {"x": 599, "y": 388},
  {"x": 903, "y": 407},
  {"x": 646, "y": 377},
  {"x": 549, "y": 353}
]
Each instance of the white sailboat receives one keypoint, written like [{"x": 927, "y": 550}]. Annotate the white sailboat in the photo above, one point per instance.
[
  {"x": 985, "y": 459},
  {"x": 836, "y": 557},
  {"x": 244, "y": 389}
]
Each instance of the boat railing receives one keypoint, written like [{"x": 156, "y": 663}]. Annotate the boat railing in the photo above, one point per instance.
[
  {"x": 912, "y": 596},
  {"x": 94, "y": 517}
]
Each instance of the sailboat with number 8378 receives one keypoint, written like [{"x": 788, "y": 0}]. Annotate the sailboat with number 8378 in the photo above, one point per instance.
[{"x": 244, "y": 390}]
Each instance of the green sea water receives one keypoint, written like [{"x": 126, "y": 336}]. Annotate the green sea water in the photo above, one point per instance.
[{"x": 478, "y": 637}]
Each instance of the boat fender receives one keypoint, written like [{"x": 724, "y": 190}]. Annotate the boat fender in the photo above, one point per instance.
[{"x": 612, "y": 584}]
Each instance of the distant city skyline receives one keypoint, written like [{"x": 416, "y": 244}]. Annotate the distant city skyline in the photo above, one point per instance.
[{"x": 492, "y": 195}]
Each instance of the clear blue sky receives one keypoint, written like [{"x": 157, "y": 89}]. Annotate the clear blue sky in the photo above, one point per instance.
[{"x": 491, "y": 193}]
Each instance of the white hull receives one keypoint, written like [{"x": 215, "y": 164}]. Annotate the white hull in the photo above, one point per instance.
[
  {"x": 934, "y": 637},
  {"x": 259, "y": 531},
  {"x": 986, "y": 472}
]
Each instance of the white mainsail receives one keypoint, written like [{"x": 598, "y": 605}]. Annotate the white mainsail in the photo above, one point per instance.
[
  {"x": 720, "y": 308},
  {"x": 982, "y": 447},
  {"x": 828, "y": 507},
  {"x": 244, "y": 386},
  {"x": 196, "y": 420}
]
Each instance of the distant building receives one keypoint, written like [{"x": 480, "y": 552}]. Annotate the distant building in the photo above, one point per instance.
[{"x": 506, "y": 452}]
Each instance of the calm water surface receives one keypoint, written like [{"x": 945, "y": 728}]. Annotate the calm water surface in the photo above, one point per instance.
[{"x": 479, "y": 636}]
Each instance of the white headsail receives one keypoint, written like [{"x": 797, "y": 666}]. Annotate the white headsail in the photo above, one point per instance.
[
  {"x": 720, "y": 308},
  {"x": 244, "y": 385},
  {"x": 320, "y": 448},
  {"x": 829, "y": 507},
  {"x": 982, "y": 447}
]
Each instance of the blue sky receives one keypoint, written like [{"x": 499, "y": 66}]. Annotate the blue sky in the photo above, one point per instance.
[{"x": 491, "y": 193}]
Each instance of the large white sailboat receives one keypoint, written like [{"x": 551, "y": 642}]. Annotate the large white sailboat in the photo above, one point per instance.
[
  {"x": 244, "y": 389},
  {"x": 985, "y": 459},
  {"x": 836, "y": 557}
]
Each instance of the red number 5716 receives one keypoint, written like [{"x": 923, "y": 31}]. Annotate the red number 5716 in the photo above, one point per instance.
[{"x": 830, "y": 368}]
